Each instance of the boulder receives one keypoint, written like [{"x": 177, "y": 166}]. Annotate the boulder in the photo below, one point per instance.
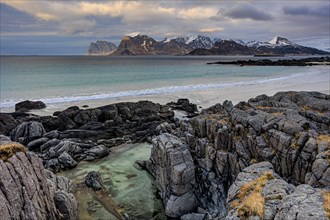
[
  {"x": 29, "y": 105},
  {"x": 93, "y": 180},
  {"x": 27, "y": 132},
  {"x": 7, "y": 123}
]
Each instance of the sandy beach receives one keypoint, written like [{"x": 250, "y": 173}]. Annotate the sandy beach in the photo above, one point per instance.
[{"x": 311, "y": 81}]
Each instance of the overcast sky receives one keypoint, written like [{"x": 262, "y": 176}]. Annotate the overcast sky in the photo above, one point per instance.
[{"x": 67, "y": 27}]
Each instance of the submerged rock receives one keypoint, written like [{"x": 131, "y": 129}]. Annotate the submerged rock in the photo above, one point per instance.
[
  {"x": 93, "y": 180},
  {"x": 29, "y": 105}
]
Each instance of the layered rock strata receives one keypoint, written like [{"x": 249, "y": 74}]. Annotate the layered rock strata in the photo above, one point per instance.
[
  {"x": 28, "y": 191},
  {"x": 289, "y": 130}
]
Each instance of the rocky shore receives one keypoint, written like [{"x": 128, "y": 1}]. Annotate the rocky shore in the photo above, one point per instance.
[
  {"x": 267, "y": 62},
  {"x": 267, "y": 158}
]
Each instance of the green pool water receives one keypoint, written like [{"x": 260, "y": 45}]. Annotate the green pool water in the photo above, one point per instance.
[{"x": 131, "y": 188}]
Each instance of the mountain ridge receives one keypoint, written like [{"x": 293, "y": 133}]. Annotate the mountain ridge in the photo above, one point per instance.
[{"x": 141, "y": 44}]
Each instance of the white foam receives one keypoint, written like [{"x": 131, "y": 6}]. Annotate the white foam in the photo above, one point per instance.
[{"x": 155, "y": 91}]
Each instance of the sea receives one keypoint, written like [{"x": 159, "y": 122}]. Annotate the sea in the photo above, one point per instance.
[{"x": 61, "y": 80}]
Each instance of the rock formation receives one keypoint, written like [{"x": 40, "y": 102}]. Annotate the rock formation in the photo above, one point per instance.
[
  {"x": 27, "y": 190},
  {"x": 29, "y": 105},
  {"x": 265, "y": 62},
  {"x": 267, "y": 158},
  {"x": 101, "y": 48},
  {"x": 77, "y": 134},
  {"x": 256, "y": 159}
]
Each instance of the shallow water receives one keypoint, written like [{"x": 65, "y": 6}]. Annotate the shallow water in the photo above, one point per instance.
[{"x": 131, "y": 189}]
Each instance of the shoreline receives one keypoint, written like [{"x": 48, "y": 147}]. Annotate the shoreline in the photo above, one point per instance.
[{"x": 309, "y": 80}]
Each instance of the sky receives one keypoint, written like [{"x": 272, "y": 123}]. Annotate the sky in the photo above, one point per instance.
[{"x": 66, "y": 27}]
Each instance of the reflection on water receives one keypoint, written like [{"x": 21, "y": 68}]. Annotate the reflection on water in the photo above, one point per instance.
[{"x": 131, "y": 188}]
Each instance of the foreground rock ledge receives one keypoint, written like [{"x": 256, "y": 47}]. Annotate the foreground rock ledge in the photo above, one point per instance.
[
  {"x": 28, "y": 191},
  {"x": 267, "y": 158}
]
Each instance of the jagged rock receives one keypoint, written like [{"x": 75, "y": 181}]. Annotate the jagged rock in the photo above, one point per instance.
[
  {"x": 289, "y": 130},
  {"x": 35, "y": 145},
  {"x": 93, "y": 180},
  {"x": 29, "y": 105},
  {"x": 305, "y": 203},
  {"x": 66, "y": 205},
  {"x": 193, "y": 216},
  {"x": 26, "y": 192},
  {"x": 184, "y": 105},
  {"x": 256, "y": 193},
  {"x": 7, "y": 123},
  {"x": 66, "y": 161},
  {"x": 27, "y": 132},
  {"x": 172, "y": 166}
]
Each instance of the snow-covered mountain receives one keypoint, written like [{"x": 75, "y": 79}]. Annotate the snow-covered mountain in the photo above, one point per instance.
[
  {"x": 139, "y": 44},
  {"x": 191, "y": 42},
  {"x": 275, "y": 42}
]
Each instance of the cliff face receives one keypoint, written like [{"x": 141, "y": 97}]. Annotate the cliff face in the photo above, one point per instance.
[
  {"x": 101, "y": 48},
  {"x": 242, "y": 154},
  {"x": 28, "y": 191}
]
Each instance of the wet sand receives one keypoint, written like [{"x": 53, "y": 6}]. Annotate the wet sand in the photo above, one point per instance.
[{"x": 313, "y": 81}]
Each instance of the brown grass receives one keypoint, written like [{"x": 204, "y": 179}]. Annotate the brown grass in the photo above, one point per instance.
[
  {"x": 262, "y": 107},
  {"x": 252, "y": 206},
  {"x": 323, "y": 138},
  {"x": 9, "y": 149},
  {"x": 326, "y": 203},
  {"x": 254, "y": 202}
]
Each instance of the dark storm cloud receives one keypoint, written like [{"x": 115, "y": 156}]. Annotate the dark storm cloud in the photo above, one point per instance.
[
  {"x": 322, "y": 11},
  {"x": 243, "y": 11}
]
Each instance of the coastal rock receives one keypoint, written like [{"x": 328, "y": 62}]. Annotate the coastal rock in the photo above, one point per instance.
[
  {"x": 25, "y": 190},
  {"x": 93, "y": 180},
  {"x": 305, "y": 203},
  {"x": 184, "y": 105},
  {"x": 29, "y": 105},
  {"x": 288, "y": 133},
  {"x": 7, "y": 123},
  {"x": 27, "y": 132},
  {"x": 101, "y": 48},
  {"x": 172, "y": 166}
]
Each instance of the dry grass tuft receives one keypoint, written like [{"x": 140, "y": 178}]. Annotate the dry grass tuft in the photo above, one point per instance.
[
  {"x": 254, "y": 202},
  {"x": 252, "y": 206},
  {"x": 9, "y": 149},
  {"x": 323, "y": 138},
  {"x": 326, "y": 203}
]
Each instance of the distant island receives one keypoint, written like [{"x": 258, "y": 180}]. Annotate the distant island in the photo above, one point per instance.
[{"x": 200, "y": 45}]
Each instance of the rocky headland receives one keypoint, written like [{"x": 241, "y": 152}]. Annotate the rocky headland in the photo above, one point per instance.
[
  {"x": 267, "y": 158},
  {"x": 266, "y": 62}
]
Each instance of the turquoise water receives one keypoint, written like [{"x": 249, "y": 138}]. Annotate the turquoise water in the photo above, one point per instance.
[
  {"x": 62, "y": 79},
  {"x": 130, "y": 188}
]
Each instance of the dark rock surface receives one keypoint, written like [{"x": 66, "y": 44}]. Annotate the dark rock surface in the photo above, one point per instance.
[
  {"x": 29, "y": 105},
  {"x": 267, "y": 62},
  {"x": 28, "y": 191},
  {"x": 93, "y": 180},
  {"x": 284, "y": 140},
  {"x": 74, "y": 134}
]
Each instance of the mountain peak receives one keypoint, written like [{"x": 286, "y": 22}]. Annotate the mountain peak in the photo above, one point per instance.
[{"x": 281, "y": 41}]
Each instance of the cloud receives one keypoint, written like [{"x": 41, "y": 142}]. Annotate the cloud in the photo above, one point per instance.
[
  {"x": 322, "y": 11},
  {"x": 211, "y": 30},
  {"x": 197, "y": 13},
  {"x": 246, "y": 11}
]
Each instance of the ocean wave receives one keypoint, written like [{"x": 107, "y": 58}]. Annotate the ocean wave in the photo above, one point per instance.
[{"x": 151, "y": 91}]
